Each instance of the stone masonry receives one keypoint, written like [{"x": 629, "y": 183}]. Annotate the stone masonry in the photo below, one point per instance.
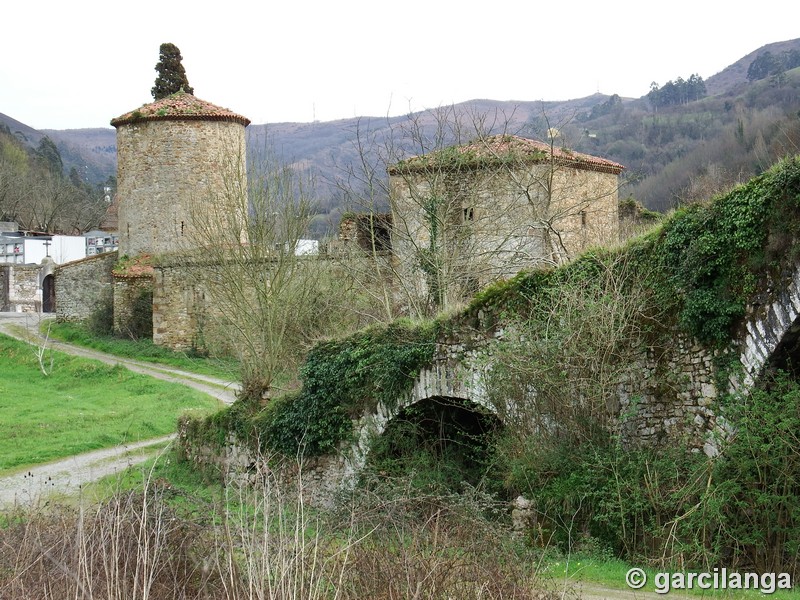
[
  {"x": 82, "y": 285},
  {"x": 498, "y": 206},
  {"x": 21, "y": 286},
  {"x": 128, "y": 290},
  {"x": 179, "y": 160}
]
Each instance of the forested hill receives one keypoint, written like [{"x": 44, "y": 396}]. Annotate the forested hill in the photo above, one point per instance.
[{"x": 683, "y": 139}]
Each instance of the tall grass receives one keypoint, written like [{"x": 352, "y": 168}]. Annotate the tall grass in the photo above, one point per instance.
[{"x": 261, "y": 541}]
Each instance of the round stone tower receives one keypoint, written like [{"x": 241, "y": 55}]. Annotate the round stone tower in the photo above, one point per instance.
[{"x": 177, "y": 158}]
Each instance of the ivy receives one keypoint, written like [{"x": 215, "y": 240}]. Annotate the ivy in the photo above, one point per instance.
[
  {"x": 760, "y": 477},
  {"x": 703, "y": 265},
  {"x": 715, "y": 255},
  {"x": 342, "y": 380},
  {"x": 705, "y": 262}
]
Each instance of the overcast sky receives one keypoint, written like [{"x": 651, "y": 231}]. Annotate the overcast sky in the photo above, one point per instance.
[{"x": 81, "y": 63}]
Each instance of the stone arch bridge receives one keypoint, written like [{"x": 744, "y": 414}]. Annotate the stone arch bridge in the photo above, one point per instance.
[{"x": 769, "y": 335}]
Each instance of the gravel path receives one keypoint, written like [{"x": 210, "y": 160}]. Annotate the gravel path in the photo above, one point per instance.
[
  {"x": 67, "y": 475},
  {"x": 25, "y": 327},
  {"x": 591, "y": 591}
]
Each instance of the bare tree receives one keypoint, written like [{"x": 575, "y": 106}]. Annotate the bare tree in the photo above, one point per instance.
[
  {"x": 41, "y": 201},
  {"x": 556, "y": 374},
  {"x": 418, "y": 254},
  {"x": 568, "y": 199},
  {"x": 265, "y": 301}
]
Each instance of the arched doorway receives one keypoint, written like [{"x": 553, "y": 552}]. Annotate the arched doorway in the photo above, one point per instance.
[{"x": 48, "y": 294}]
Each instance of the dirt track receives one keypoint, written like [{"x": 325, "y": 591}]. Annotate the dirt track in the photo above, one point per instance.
[{"x": 67, "y": 475}]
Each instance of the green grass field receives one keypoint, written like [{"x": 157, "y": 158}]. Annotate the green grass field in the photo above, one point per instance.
[
  {"x": 82, "y": 405},
  {"x": 142, "y": 350}
]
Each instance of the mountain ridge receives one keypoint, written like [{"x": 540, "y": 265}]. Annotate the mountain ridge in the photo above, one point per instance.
[{"x": 623, "y": 133}]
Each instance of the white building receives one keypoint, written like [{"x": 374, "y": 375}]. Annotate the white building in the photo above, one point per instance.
[
  {"x": 306, "y": 247},
  {"x": 17, "y": 248},
  {"x": 98, "y": 241}
]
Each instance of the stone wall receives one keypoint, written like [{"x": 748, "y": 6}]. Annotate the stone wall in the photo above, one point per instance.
[
  {"x": 82, "y": 284},
  {"x": 128, "y": 293},
  {"x": 5, "y": 276},
  {"x": 670, "y": 395},
  {"x": 318, "y": 479},
  {"x": 184, "y": 314},
  {"x": 20, "y": 286},
  {"x": 178, "y": 305},
  {"x": 189, "y": 299}
]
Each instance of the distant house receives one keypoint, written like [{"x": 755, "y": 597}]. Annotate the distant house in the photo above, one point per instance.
[
  {"x": 306, "y": 247},
  {"x": 27, "y": 266},
  {"x": 98, "y": 241}
]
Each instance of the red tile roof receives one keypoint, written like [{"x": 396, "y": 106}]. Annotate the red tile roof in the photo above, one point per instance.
[
  {"x": 503, "y": 149},
  {"x": 138, "y": 266},
  {"x": 179, "y": 107}
]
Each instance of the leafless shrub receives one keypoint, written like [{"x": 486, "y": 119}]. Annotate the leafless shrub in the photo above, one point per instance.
[
  {"x": 559, "y": 369},
  {"x": 416, "y": 546},
  {"x": 263, "y": 542},
  {"x": 132, "y": 546}
]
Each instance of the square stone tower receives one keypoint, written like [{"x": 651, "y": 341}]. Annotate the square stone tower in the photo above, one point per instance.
[{"x": 467, "y": 215}]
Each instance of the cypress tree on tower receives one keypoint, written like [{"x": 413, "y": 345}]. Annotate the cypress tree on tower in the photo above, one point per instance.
[{"x": 171, "y": 74}]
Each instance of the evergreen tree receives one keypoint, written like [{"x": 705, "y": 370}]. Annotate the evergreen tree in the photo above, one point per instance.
[
  {"x": 171, "y": 74},
  {"x": 677, "y": 92},
  {"x": 763, "y": 66},
  {"x": 50, "y": 156}
]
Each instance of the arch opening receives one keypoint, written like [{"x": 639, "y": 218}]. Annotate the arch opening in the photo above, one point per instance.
[
  {"x": 786, "y": 356},
  {"x": 439, "y": 443}
]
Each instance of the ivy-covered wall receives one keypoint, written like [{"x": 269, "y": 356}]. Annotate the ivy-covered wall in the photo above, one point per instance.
[{"x": 698, "y": 273}]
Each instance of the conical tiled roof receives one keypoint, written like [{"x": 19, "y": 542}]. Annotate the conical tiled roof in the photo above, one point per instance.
[{"x": 179, "y": 107}]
